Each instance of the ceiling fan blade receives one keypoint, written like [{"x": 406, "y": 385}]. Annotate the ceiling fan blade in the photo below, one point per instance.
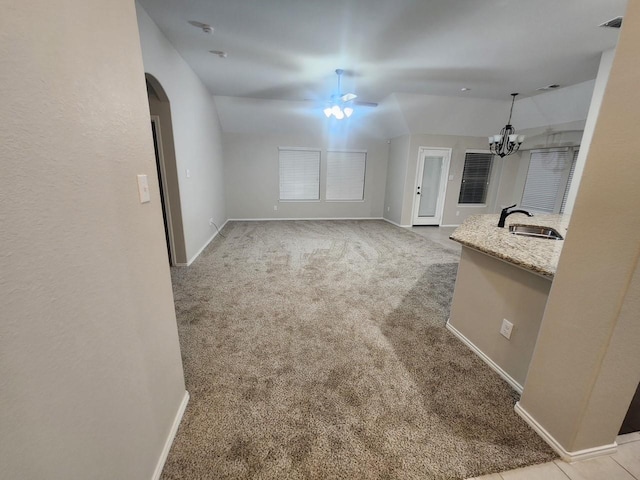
[
  {"x": 347, "y": 97},
  {"x": 365, "y": 104}
]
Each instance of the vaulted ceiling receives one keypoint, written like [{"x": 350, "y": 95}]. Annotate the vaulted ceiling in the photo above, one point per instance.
[{"x": 287, "y": 50}]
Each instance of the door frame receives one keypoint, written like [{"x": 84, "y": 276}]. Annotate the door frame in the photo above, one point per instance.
[
  {"x": 164, "y": 198},
  {"x": 444, "y": 176}
]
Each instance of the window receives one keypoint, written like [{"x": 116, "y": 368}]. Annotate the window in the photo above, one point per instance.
[
  {"x": 548, "y": 180},
  {"x": 475, "y": 178},
  {"x": 299, "y": 174},
  {"x": 345, "y": 175},
  {"x": 571, "y": 172}
]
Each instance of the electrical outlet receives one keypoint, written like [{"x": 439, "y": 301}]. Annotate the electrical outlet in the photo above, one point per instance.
[
  {"x": 457, "y": 213},
  {"x": 388, "y": 209},
  {"x": 506, "y": 328},
  {"x": 275, "y": 207}
]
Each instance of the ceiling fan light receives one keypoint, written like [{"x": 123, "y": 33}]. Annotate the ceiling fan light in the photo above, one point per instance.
[
  {"x": 336, "y": 110},
  {"x": 340, "y": 115},
  {"x": 348, "y": 111},
  {"x": 327, "y": 111}
]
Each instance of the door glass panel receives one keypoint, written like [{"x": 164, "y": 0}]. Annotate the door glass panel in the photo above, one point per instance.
[{"x": 430, "y": 186}]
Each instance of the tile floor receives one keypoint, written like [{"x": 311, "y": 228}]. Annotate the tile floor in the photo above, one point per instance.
[{"x": 623, "y": 465}]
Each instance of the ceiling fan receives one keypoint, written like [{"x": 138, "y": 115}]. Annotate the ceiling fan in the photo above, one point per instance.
[{"x": 341, "y": 104}]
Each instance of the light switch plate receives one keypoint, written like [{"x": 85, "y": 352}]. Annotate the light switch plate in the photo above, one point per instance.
[{"x": 143, "y": 189}]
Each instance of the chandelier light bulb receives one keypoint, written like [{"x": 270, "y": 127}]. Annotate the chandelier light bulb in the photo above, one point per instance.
[{"x": 348, "y": 111}]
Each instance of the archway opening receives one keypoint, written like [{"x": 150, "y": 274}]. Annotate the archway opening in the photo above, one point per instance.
[{"x": 162, "y": 129}]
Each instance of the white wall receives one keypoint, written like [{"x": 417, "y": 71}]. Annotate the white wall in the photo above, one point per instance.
[
  {"x": 90, "y": 368},
  {"x": 196, "y": 133},
  {"x": 606, "y": 62},
  {"x": 402, "y": 171},
  {"x": 586, "y": 364},
  {"x": 553, "y": 118},
  {"x": 396, "y": 177},
  {"x": 554, "y": 107},
  {"x": 453, "y": 213},
  {"x": 515, "y": 167},
  {"x": 252, "y": 172}
]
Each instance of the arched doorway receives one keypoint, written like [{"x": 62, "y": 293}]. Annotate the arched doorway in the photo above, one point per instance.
[{"x": 161, "y": 127}]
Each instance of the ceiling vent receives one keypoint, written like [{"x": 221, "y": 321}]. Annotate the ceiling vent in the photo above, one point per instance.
[{"x": 613, "y": 23}]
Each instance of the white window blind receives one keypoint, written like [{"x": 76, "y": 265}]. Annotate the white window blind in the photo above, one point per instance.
[
  {"x": 566, "y": 190},
  {"x": 547, "y": 171},
  {"x": 299, "y": 174},
  {"x": 475, "y": 178},
  {"x": 345, "y": 175}
]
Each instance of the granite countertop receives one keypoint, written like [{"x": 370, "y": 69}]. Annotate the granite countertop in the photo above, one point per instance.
[{"x": 538, "y": 255}]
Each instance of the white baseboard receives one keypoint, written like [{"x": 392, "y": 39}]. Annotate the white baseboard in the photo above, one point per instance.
[
  {"x": 304, "y": 219},
  {"x": 493, "y": 365},
  {"x": 560, "y": 450},
  {"x": 172, "y": 434},
  {"x": 206, "y": 244},
  {"x": 396, "y": 224}
]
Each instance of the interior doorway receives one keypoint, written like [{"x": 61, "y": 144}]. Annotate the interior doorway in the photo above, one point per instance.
[
  {"x": 162, "y": 130},
  {"x": 431, "y": 185},
  {"x": 166, "y": 215},
  {"x": 632, "y": 420}
]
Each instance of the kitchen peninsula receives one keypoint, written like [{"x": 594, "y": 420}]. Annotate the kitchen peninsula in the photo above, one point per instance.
[{"x": 503, "y": 276}]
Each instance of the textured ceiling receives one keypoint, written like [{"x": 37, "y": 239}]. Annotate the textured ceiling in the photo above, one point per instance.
[
  {"x": 410, "y": 56},
  {"x": 289, "y": 49}
]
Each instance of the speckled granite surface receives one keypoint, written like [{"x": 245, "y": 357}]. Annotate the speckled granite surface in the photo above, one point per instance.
[{"x": 538, "y": 255}]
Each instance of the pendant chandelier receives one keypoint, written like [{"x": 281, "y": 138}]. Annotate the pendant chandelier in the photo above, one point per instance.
[{"x": 507, "y": 141}]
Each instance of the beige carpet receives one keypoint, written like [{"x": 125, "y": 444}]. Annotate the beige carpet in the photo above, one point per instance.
[{"x": 317, "y": 350}]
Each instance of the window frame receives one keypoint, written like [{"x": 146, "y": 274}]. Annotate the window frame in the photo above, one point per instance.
[
  {"x": 364, "y": 175},
  {"x": 317, "y": 151},
  {"x": 564, "y": 178},
  {"x": 490, "y": 172}
]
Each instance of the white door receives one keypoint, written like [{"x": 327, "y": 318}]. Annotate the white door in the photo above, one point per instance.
[{"x": 431, "y": 185}]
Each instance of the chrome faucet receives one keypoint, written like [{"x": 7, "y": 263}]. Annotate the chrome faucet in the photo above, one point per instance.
[{"x": 505, "y": 213}]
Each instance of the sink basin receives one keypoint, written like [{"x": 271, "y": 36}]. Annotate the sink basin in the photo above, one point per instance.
[{"x": 535, "y": 231}]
